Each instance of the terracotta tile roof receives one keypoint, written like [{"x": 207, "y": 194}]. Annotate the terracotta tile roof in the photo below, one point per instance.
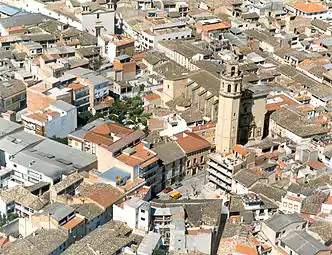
[
  {"x": 140, "y": 155},
  {"x": 306, "y": 108},
  {"x": 149, "y": 162},
  {"x": 328, "y": 200},
  {"x": 273, "y": 154},
  {"x": 277, "y": 101},
  {"x": 102, "y": 194},
  {"x": 246, "y": 250},
  {"x": 104, "y": 134},
  {"x": 221, "y": 25},
  {"x": 139, "y": 56},
  {"x": 321, "y": 120},
  {"x": 155, "y": 124},
  {"x": 240, "y": 149},
  {"x": 190, "y": 142},
  {"x": 310, "y": 7},
  {"x": 42, "y": 116},
  {"x": 73, "y": 222},
  {"x": 205, "y": 126},
  {"x": 316, "y": 164},
  {"x": 76, "y": 86},
  {"x": 152, "y": 96}
]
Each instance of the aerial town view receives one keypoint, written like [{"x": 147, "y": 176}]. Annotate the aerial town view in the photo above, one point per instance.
[{"x": 156, "y": 127}]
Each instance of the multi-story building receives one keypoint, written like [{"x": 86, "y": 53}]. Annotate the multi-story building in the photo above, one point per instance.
[
  {"x": 291, "y": 204},
  {"x": 172, "y": 161},
  {"x": 112, "y": 46},
  {"x": 81, "y": 15},
  {"x": 81, "y": 96},
  {"x": 58, "y": 120},
  {"x": 221, "y": 169},
  {"x": 147, "y": 33},
  {"x": 34, "y": 158},
  {"x": 98, "y": 89},
  {"x": 135, "y": 212},
  {"x": 310, "y": 10},
  {"x": 196, "y": 150},
  {"x": 41, "y": 95},
  {"x": 13, "y": 95}
]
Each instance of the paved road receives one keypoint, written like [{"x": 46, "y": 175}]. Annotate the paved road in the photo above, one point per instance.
[{"x": 191, "y": 188}]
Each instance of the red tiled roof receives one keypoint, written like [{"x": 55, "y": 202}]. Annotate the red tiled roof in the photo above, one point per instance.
[
  {"x": 190, "y": 142},
  {"x": 246, "y": 250},
  {"x": 102, "y": 194},
  {"x": 149, "y": 162},
  {"x": 140, "y": 155},
  {"x": 279, "y": 100},
  {"x": 240, "y": 149},
  {"x": 218, "y": 26},
  {"x": 316, "y": 164},
  {"x": 152, "y": 96},
  {"x": 310, "y": 7},
  {"x": 205, "y": 126},
  {"x": 103, "y": 134},
  {"x": 155, "y": 123},
  {"x": 73, "y": 222}
]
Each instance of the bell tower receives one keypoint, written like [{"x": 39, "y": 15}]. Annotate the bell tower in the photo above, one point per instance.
[{"x": 229, "y": 104}]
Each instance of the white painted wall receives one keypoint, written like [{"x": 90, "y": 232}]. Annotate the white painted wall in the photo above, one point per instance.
[{"x": 63, "y": 124}]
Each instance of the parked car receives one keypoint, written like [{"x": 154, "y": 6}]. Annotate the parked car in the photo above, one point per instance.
[
  {"x": 177, "y": 185},
  {"x": 175, "y": 195},
  {"x": 167, "y": 190}
]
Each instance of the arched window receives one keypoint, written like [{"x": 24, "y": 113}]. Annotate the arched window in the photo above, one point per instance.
[
  {"x": 233, "y": 70},
  {"x": 229, "y": 88},
  {"x": 236, "y": 87}
]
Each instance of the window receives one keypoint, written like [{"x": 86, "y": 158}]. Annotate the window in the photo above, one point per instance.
[
  {"x": 97, "y": 15},
  {"x": 295, "y": 207},
  {"x": 142, "y": 211},
  {"x": 290, "y": 206},
  {"x": 15, "y": 165},
  {"x": 202, "y": 159},
  {"x": 195, "y": 160},
  {"x": 188, "y": 163},
  {"x": 143, "y": 219},
  {"x": 229, "y": 88},
  {"x": 285, "y": 204},
  {"x": 233, "y": 70}
]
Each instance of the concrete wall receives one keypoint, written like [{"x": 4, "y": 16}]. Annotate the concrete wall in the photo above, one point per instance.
[{"x": 63, "y": 124}]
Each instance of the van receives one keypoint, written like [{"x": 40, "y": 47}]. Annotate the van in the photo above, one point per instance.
[{"x": 175, "y": 195}]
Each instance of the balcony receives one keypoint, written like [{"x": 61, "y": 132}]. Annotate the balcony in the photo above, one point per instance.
[
  {"x": 219, "y": 183},
  {"x": 221, "y": 169},
  {"x": 220, "y": 176}
]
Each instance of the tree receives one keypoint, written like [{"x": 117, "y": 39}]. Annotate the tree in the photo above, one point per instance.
[
  {"x": 129, "y": 111},
  {"x": 60, "y": 140}
]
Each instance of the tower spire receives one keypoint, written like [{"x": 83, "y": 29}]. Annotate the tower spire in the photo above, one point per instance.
[{"x": 229, "y": 105}]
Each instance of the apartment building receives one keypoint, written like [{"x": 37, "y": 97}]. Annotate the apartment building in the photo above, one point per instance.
[
  {"x": 20, "y": 201},
  {"x": 13, "y": 95},
  {"x": 34, "y": 158},
  {"x": 81, "y": 96},
  {"x": 58, "y": 120},
  {"x": 96, "y": 134},
  {"x": 135, "y": 212},
  {"x": 196, "y": 150},
  {"x": 44, "y": 93},
  {"x": 173, "y": 160},
  {"x": 85, "y": 16},
  {"x": 310, "y": 10},
  {"x": 142, "y": 27},
  {"x": 221, "y": 169},
  {"x": 112, "y": 46}
]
